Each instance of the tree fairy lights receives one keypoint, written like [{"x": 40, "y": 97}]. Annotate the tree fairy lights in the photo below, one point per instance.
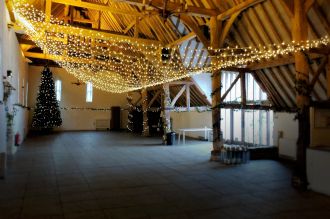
[
  {"x": 46, "y": 113},
  {"x": 130, "y": 115},
  {"x": 119, "y": 64}
]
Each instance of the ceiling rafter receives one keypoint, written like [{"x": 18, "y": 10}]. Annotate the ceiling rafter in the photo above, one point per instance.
[
  {"x": 259, "y": 77},
  {"x": 196, "y": 29},
  {"x": 282, "y": 23},
  {"x": 280, "y": 81},
  {"x": 288, "y": 7},
  {"x": 192, "y": 56},
  {"x": 98, "y": 7},
  {"x": 286, "y": 60},
  {"x": 129, "y": 26},
  {"x": 181, "y": 40},
  {"x": 175, "y": 7},
  {"x": 91, "y": 33},
  {"x": 227, "y": 28},
  {"x": 273, "y": 86},
  {"x": 254, "y": 18},
  {"x": 240, "y": 7},
  {"x": 269, "y": 25},
  {"x": 318, "y": 71}
]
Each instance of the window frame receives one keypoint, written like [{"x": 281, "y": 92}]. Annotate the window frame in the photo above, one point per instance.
[
  {"x": 58, "y": 90},
  {"x": 255, "y": 95},
  {"x": 89, "y": 92}
]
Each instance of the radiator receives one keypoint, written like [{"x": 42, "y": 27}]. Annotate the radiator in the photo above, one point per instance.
[{"x": 102, "y": 124}]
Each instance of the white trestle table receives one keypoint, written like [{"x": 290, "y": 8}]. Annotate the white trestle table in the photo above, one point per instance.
[{"x": 182, "y": 132}]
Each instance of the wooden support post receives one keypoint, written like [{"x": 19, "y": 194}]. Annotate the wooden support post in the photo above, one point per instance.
[
  {"x": 243, "y": 97},
  {"x": 188, "y": 97},
  {"x": 328, "y": 77},
  {"x": 232, "y": 126},
  {"x": 144, "y": 95},
  {"x": 268, "y": 128},
  {"x": 215, "y": 27},
  {"x": 136, "y": 30},
  {"x": 243, "y": 126},
  {"x": 178, "y": 95},
  {"x": 243, "y": 88},
  {"x": 166, "y": 106},
  {"x": 300, "y": 33},
  {"x": 48, "y": 10}
]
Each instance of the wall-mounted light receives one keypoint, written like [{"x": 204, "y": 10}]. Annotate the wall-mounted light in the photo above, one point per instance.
[{"x": 9, "y": 73}]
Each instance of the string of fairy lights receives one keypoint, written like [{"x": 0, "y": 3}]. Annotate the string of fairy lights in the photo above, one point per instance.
[
  {"x": 130, "y": 106},
  {"x": 145, "y": 123},
  {"x": 116, "y": 64}
]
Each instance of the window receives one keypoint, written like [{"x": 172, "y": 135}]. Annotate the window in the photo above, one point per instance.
[
  {"x": 251, "y": 127},
  {"x": 23, "y": 93},
  {"x": 58, "y": 89},
  {"x": 89, "y": 92},
  {"x": 26, "y": 93},
  {"x": 18, "y": 90}
]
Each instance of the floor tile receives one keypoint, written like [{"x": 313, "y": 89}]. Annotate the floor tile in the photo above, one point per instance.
[{"x": 122, "y": 175}]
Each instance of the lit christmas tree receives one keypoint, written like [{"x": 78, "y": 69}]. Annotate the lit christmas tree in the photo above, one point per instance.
[{"x": 47, "y": 113}]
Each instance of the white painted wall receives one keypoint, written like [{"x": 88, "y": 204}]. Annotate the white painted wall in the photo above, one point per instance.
[
  {"x": 318, "y": 161},
  {"x": 75, "y": 96},
  {"x": 320, "y": 127},
  {"x": 2, "y": 69},
  {"x": 318, "y": 173},
  {"x": 192, "y": 120},
  {"x": 285, "y": 123},
  {"x": 11, "y": 58}
]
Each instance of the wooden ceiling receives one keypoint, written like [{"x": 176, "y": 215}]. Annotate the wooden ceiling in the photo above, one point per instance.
[{"x": 182, "y": 22}]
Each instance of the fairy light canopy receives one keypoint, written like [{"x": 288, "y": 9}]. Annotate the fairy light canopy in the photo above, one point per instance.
[{"x": 118, "y": 64}]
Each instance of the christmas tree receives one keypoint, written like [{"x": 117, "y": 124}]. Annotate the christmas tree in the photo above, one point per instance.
[{"x": 47, "y": 113}]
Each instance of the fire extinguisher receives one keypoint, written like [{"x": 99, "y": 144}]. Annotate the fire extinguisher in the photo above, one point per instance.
[{"x": 17, "y": 139}]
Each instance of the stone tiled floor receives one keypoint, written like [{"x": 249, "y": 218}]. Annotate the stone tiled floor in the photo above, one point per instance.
[{"x": 117, "y": 175}]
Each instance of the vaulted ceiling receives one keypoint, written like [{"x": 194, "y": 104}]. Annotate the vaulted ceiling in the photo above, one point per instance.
[{"x": 185, "y": 23}]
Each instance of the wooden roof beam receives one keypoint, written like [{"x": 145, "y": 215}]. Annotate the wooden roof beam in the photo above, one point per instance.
[
  {"x": 230, "y": 87},
  {"x": 175, "y": 83},
  {"x": 238, "y": 8},
  {"x": 308, "y": 4},
  {"x": 22, "y": 40},
  {"x": 129, "y": 26},
  {"x": 288, "y": 6},
  {"x": 91, "y": 32},
  {"x": 319, "y": 71},
  {"x": 322, "y": 50},
  {"x": 178, "y": 95},
  {"x": 55, "y": 57},
  {"x": 227, "y": 27},
  {"x": 66, "y": 58},
  {"x": 277, "y": 62},
  {"x": 98, "y": 7},
  {"x": 154, "y": 98},
  {"x": 172, "y": 6},
  {"x": 188, "y": 21},
  {"x": 48, "y": 10},
  {"x": 183, "y": 39},
  {"x": 9, "y": 4}
]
